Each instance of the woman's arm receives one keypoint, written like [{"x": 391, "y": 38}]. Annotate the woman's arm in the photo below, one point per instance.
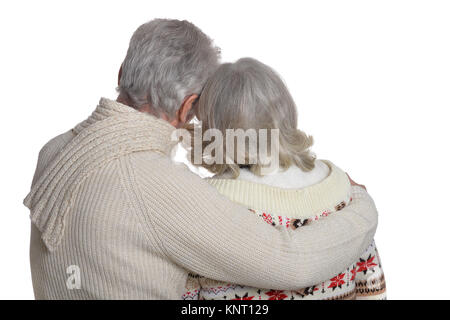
[{"x": 209, "y": 235}]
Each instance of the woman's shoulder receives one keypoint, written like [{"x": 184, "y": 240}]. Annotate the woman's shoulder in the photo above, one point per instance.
[
  {"x": 323, "y": 192},
  {"x": 291, "y": 178}
]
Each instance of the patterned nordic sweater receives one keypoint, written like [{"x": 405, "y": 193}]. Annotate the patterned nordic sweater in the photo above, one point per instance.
[{"x": 362, "y": 280}]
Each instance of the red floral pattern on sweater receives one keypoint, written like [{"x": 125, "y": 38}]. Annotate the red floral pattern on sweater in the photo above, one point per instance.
[
  {"x": 365, "y": 265},
  {"x": 337, "y": 281},
  {"x": 276, "y": 295},
  {"x": 364, "y": 279}
]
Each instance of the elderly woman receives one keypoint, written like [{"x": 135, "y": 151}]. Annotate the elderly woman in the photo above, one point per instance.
[{"x": 249, "y": 95}]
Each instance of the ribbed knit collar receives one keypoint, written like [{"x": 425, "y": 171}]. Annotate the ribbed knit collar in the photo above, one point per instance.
[
  {"x": 301, "y": 203},
  {"x": 110, "y": 108},
  {"x": 113, "y": 130}
]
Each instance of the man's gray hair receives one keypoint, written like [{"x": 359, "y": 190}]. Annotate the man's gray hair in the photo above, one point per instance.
[{"x": 167, "y": 60}]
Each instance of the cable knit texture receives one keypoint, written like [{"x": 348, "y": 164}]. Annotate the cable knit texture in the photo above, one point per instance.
[
  {"x": 107, "y": 198},
  {"x": 110, "y": 132}
]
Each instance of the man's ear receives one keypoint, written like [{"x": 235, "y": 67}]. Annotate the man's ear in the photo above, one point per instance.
[
  {"x": 183, "y": 114},
  {"x": 120, "y": 75}
]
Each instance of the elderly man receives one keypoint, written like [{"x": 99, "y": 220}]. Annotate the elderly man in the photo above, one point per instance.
[{"x": 114, "y": 218}]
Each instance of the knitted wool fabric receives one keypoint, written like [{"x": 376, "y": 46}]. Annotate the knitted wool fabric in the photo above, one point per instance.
[
  {"x": 108, "y": 202},
  {"x": 364, "y": 279}
]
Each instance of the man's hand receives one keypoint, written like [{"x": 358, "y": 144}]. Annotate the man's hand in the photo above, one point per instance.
[{"x": 353, "y": 183}]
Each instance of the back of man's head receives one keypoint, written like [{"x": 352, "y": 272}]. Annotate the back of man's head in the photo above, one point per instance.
[{"x": 167, "y": 61}]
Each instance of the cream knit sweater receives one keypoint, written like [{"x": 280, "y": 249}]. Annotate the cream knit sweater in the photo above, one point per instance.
[{"x": 107, "y": 200}]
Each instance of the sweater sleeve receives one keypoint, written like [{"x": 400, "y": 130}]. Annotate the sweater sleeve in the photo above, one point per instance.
[{"x": 211, "y": 236}]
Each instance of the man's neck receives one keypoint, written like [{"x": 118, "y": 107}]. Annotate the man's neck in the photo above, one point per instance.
[
  {"x": 124, "y": 99},
  {"x": 146, "y": 108}
]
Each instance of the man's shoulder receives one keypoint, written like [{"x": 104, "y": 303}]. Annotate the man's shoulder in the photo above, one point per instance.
[
  {"x": 54, "y": 146},
  {"x": 150, "y": 165},
  {"x": 50, "y": 150},
  {"x": 152, "y": 160},
  {"x": 57, "y": 143}
]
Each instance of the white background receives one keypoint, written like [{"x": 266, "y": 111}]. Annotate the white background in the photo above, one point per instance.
[{"x": 371, "y": 80}]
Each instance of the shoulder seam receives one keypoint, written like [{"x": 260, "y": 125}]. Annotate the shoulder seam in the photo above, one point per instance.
[{"x": 126, "y": 169}]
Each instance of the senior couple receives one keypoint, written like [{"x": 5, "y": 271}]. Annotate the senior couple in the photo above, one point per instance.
[{"x": 114, "y": 217}]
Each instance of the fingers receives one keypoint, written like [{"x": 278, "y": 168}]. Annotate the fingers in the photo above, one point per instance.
[{"x": 353, "y": 183}]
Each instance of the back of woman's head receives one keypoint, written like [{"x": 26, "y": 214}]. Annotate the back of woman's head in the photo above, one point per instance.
[{"x": 246, "y": 95}]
